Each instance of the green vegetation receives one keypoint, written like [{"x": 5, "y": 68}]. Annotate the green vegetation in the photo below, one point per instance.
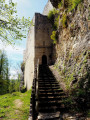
[
  {"x": 15, "y": 106},
  {"x": 77, "y": 81},
  {"x": 72, "y": 4},
  {"x": 11, "y": 26},
  {"x": 88, "y": 113},
  {"x": 54, "y": 16},
  {"x": 53, "y": 20},
  {"x": 70, "y": 55},
  {"x": 75, "y": 72},
  {"x": 56, "y": 23},
  {"x": 60, "y": 4},
  {"x": 64, "y": 20},
  {"x": 89, "y": 13},
  {"x": 14, "y": 86},
  {"x": 7, "y": 85},
  {"x": 68, "y": 79},
  {"x": 52, "y": 13},
  {"x": 4, "y": 73},
  {"x": 54, "y": 37}
]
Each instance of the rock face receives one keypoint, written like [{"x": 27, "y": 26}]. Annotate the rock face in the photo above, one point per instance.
[
  {"x": 55, "y": 3},
  {"x": 73, "y": 45},
  {"x": 73, "y": 54},
  {"x": 47, "y": 8}
]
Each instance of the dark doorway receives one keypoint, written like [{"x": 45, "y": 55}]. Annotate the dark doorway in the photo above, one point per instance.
[{"x": 44, "y": 59}]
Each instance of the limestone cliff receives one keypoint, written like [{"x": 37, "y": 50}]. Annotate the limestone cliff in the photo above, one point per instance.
[
  {"x": 73, "y": 43},
  {"x": 47, "y": 8},
  {"x": 72, "y": 47},
  {"x": 55, "y": 3}
]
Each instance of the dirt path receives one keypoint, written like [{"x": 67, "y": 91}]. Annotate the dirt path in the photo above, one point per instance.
[{"x": 18, "y": 103}]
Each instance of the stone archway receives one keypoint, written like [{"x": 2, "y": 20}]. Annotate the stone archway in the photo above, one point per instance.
[{"x": 44, "y": 60}]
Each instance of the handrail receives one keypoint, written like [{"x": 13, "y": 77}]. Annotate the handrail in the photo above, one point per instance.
[{"x": 35, "y": 92}]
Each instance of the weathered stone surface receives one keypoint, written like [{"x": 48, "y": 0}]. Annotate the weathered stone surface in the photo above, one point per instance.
[
  {"x": 49, "y": 115},
  {"x": 29, "y": 58},
  {"x": 47, "y": 8},
  {"x": 39, "y": 44},
  {"x": 55, "y": 3},
  {"x": 72, "y": 48}
]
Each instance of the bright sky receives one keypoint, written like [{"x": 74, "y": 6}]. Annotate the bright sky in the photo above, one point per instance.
[{"x": 25, "y": 8}]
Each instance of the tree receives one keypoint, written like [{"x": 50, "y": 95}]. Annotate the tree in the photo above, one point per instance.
[
  {"x": 4, "y": 73},
  {"x": 11, "y": 26}
]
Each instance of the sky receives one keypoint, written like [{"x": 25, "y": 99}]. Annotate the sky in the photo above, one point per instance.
[{"x": 26, "y": 8}]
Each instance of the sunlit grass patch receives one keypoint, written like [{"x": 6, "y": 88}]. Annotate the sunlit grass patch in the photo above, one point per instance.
[{"x": 19, "y": 110}]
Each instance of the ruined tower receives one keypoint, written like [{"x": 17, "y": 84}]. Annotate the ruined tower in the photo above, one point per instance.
[{"x": 39, "y": 44}]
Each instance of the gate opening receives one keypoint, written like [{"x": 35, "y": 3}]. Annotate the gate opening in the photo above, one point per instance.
[{"x": 44, "y": 60}]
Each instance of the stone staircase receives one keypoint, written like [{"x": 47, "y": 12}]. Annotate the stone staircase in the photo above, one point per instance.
[{"x": 50, "y": 96}]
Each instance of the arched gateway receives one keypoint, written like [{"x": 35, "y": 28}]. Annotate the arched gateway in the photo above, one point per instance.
[{"x": 44, "y": 59}]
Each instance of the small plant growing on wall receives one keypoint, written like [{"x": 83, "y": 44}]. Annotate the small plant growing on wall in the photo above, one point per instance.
[
  {"x": 54, "y": 37},
  {"x": 51, "y": 17},
  {"x": 72, "y": 4},
  {"x": 64, "y": 20}
]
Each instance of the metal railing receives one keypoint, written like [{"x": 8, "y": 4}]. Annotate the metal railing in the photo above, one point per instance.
[{"x": 34, "y": 95}]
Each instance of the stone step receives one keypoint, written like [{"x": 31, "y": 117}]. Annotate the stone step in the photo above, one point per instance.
[
  {"x": 50, "y": 104},
  {"x": 51, "y": 95},
  {"x": 46, "y": 76},
  {"x": 52, "y": 98},
  {"x": 47, "y": 80},
  {"x": 49, "y": 90},
  {"x": 53, "y": 88},
  {"x": 49, "y": 116},
  {"x": 53, "y": 102},
  {"x": 49, "y": 85},
  {"x": 50, "y": 109}
]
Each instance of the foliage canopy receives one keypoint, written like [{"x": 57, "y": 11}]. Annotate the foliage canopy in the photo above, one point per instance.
[
  {"x": 4, "y": 73},
  {"x": 11, "y": 26}
]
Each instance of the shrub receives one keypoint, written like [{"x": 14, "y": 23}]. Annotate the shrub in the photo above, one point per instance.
[
  {"x": 73, "y": 4},
  {"x": 60, "y": 4},
  {"x": 23, "y": 89},
  {"x": 53, "y": 37},
  {"x": 56, "y": 24},
  {"x": 51, "y": 17},
  {"x": 64, "y": 20},
  {"x": 52, "y": 13}
]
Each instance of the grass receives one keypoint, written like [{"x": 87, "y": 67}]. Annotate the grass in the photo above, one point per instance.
[{"x": 15, "y": 106}]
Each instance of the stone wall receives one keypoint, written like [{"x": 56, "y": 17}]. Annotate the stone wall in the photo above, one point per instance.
[
  {"x": 43, "y": 42},
  {"x": 29, "y": 57}
]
